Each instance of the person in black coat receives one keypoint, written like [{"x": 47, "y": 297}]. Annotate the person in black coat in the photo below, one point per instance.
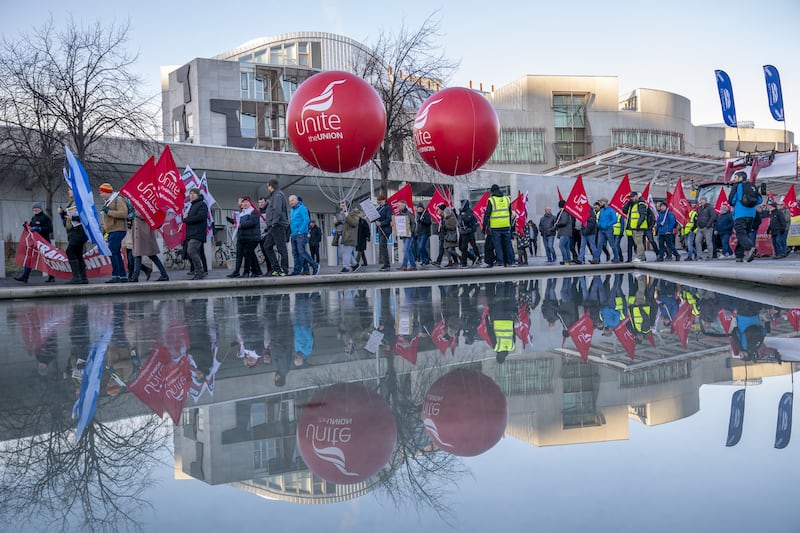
[
  {"x": 43, "y": 225},
  {"x": 364, "y": 234},
  {"x": 314, "y": 238},
  {"x": 196, "y": 222}
]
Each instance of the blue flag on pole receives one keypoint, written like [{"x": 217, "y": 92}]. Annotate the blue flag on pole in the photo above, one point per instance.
[
  {"x": 726, "y": 98},
  {"x": 78, "y": 181},
  {"x": 774, "y": 94},
  {"x": 84, "y": 407},
  {"x": 783, "y": 431},
  {"x": 737, "y": 418}
]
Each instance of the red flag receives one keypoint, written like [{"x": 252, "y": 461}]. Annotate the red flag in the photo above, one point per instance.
[
  {"x": 173, "y": 230},
  {"x": 35, "y": 252},
  {"x": 790, "y": 200},
  {"x": 480, "y": 208},
  {"x": 177, "y": 382},
  {"x": 483, "y": 333},
  {"x": 725, "y": 320},
  {"x": 436, "y": 199},
  {"x": 142, "y": 191},
  {"x": 171, "y": 191},
  {"x": 441, "y": 339},
  {"x": 682, "y": 323},
  {"x": 523, "y": 326},
  {"x": 406, "y": 349},
  {"x": 403, "y": 194},
  {"x": 722, "y": 199},
  {"x": 679, "y": 205},
  {"x": 625, "y": 337},
  {"x": 794, "y": 318},
  {"x": 519, "y": 207},
  {"x": 581, "y": 334},
  {"x": 577, "y": 202},
  {"x": 560, "y": 196},
  {"x": 620, "y": 197}
]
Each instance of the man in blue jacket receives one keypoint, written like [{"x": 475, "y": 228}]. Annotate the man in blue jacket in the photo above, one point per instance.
[
  {"x": 299, "y": 223},
  {"x": 665, "y": 227},
  {"x": 743, "y": 217},
  {"x": 606, "y": 219}
]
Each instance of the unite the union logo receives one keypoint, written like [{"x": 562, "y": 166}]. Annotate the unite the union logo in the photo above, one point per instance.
[{"x": 320, "y": 126}]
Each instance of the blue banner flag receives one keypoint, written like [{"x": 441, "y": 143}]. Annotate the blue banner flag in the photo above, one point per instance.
[
  {"x": 726, "y": 98},
  {"x": 78, "y": 181},
  {"x": 774, "y": 94},
  {"x": 84, "y": 407},
  {"x": 783, "y": 431},
  {"x": 737, "y": 418}
]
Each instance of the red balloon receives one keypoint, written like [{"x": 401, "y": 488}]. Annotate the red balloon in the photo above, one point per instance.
[
  {"x": 336, "y": 121},
  {"x": 346, "y": 433},
  {"x": 465, "y": 413},
  {"x": 456, "y": 131}
]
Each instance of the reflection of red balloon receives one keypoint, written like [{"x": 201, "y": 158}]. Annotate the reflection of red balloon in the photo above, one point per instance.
[
  {"x": 346, "y": 433},
  {"x": 456, "y": 131},
  {"x": 465, "y": 413},
  {"x": 336, "y": 121}
]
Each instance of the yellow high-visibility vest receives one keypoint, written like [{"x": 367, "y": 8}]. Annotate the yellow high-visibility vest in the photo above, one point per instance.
[{"x": 501, "y": 216}]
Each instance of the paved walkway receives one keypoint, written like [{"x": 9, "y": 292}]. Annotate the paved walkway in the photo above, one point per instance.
[{"x": 761, "y": 272}]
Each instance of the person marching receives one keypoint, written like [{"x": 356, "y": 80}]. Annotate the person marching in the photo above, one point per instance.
[
  {"x": 43, "y": 225},
  {"x": 640, "y": 221},
  {"x": 499, "y": 218},
  {"x": 76, "y": 239}
]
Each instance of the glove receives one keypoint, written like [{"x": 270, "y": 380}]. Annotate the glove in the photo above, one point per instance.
[
  {"x": 36, "y": 228},
  {"x": 104, "y": 209}
]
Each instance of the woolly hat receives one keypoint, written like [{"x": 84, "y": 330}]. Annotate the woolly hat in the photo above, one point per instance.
[
  {"x": 38, "y": 205},
  {"x": 194, "y": 190},
  {"x": 106, "y": 187},
  {"x": 495, "y": 188}
]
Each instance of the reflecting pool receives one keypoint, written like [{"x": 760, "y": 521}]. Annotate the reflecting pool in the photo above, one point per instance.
[{"x": 616, "y": 402}]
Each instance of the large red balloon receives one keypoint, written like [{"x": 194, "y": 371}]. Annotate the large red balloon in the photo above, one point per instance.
[
  {"x": 456, "y": 131},
  {"x": 346, "y": 433},
  {"x": 465, "y": 413},
  {"x": 336, "y": 121}
]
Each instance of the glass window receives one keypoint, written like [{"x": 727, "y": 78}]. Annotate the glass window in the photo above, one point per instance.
[
  {"x": 302, "y": 54},
  {"x": 569, "y": 110},
  {"x": 177, "y": 131},
  {"x": 520, "y": 146},
  {"x": 669, "y": 141},
  {"x": 276, "y": 56},
  {"x": 248, "y": 125},
  {"x": 260, "y": 56},
  {"x": 290, "y": 54},
  {"x": 189, "y": 125}
]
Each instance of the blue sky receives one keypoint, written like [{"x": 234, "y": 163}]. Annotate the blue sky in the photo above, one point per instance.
[{"x": 673, "y": 46}]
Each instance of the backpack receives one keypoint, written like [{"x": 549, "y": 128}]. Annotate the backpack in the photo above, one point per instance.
[
  {"x": 131, "y": 211},
  {"x": 749, "y": 196}
]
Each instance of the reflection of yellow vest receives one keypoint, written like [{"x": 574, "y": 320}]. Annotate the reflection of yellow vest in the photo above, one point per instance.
[
  {"x": 638, "y": 313},
  {"x": 504, "y": 335},
  {"x": 619, "y": 306},
  {"x": 691, "y": 300},
  {"x": 500, "y": 217}
]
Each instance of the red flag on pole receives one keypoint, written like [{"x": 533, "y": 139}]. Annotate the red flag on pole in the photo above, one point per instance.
[
  {"x": 722, "y": 199},
  {"x": 169, "y": 184},
  {"x": 436, "y": 199},
  {"x": 480, "y": 208},
  {"x": 149, "y": 383},
  {"x": 519, "y": 207},
  {"x": 620, "y": 197},
  {"x": 790, "y": 201},
  {"x": 625, "y": 337},
  {"x": 560, "y": 196},
  {"x": 577, "y": 202},
  {"x": 142, "y": 191},
  {"x": 581, "y": 334},
  {"x": 404, "y": 193},
  {"x": 678, "y": 204},
  {"x": 441, "y": 339}
]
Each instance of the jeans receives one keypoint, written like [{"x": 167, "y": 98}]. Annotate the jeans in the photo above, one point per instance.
[
  {"x": 348, "y": 255},
  {"x": 690, "y": 249},
  {"x": 666, "y": 246},
  {"x": 502, "y": 246},
  {"x": 725, "y": 238},
  {"x": 300, "y": 254},
  {"x": 588, "y": 241},
  {"x": 565, "y": 245},
  {"x": 422, "y": 248},
  {"x": 408, "y": 252},
  {"x": 549, "y": 248},
  {"x": 115, "y": 245},
  {"x": 605, "y": 236}
]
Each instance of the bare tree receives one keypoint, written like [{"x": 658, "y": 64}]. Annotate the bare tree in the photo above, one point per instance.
[
  {"x": 405, "y": 69},
  {"x": 70, "y": 86}
]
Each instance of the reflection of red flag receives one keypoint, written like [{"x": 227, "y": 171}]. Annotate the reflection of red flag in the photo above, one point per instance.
[
  {"x": 620, "y": 197},
  {"x": 483, "y": 333},
  {"x": 142, "y": 191},
  {"x": 436, "y": 199},
  {"x": 682, "y": 323},
  {"x": 725, "y": 319},
  {"x": 38, "y": 323},
  {"x": 519, "y": 207},
  {"x": 722, "y": 199},
  {"x": 171, "y": 191},
  {"x": 407, "y": 349},
  {"x": 177, "y": 382},
  {"x": 626, "y": 337},
  {"x": 679, "y": 205},
  {"x": 404, "y": 193},
  {"x": 440, "y": 338},
  {"x": 577, "y": 202},
  {"x": 480, "y": 208},
  {"x": 149, "y": 383},
  {"x": 581, "y": 334},
  {"x": 523, "y": 326},
  {"x": 790, "y": 200},
  {"x": 794, "y": 318}
]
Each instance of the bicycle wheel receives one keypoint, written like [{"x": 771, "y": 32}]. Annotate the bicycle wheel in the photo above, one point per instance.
[
  {"x": 169, "y": 259},
  {"x": 179, "y": 260},
  {"x": 219, "y": 257}
]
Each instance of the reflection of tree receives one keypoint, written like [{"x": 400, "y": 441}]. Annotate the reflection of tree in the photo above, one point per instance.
[
  {"x": 418, "y": 473},
  {"x": 49, "y": 480}
]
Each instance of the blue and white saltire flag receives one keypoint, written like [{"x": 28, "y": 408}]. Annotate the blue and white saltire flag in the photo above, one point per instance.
[
  {"x": 783, "y": 430},
  {"x": 774, "y": 94},
  {"x": 84, "y": 407},
  {"x": 736, "y": 421},
  {"x": 726, "y": 98},
  {"x": 78, "y": 181}
]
